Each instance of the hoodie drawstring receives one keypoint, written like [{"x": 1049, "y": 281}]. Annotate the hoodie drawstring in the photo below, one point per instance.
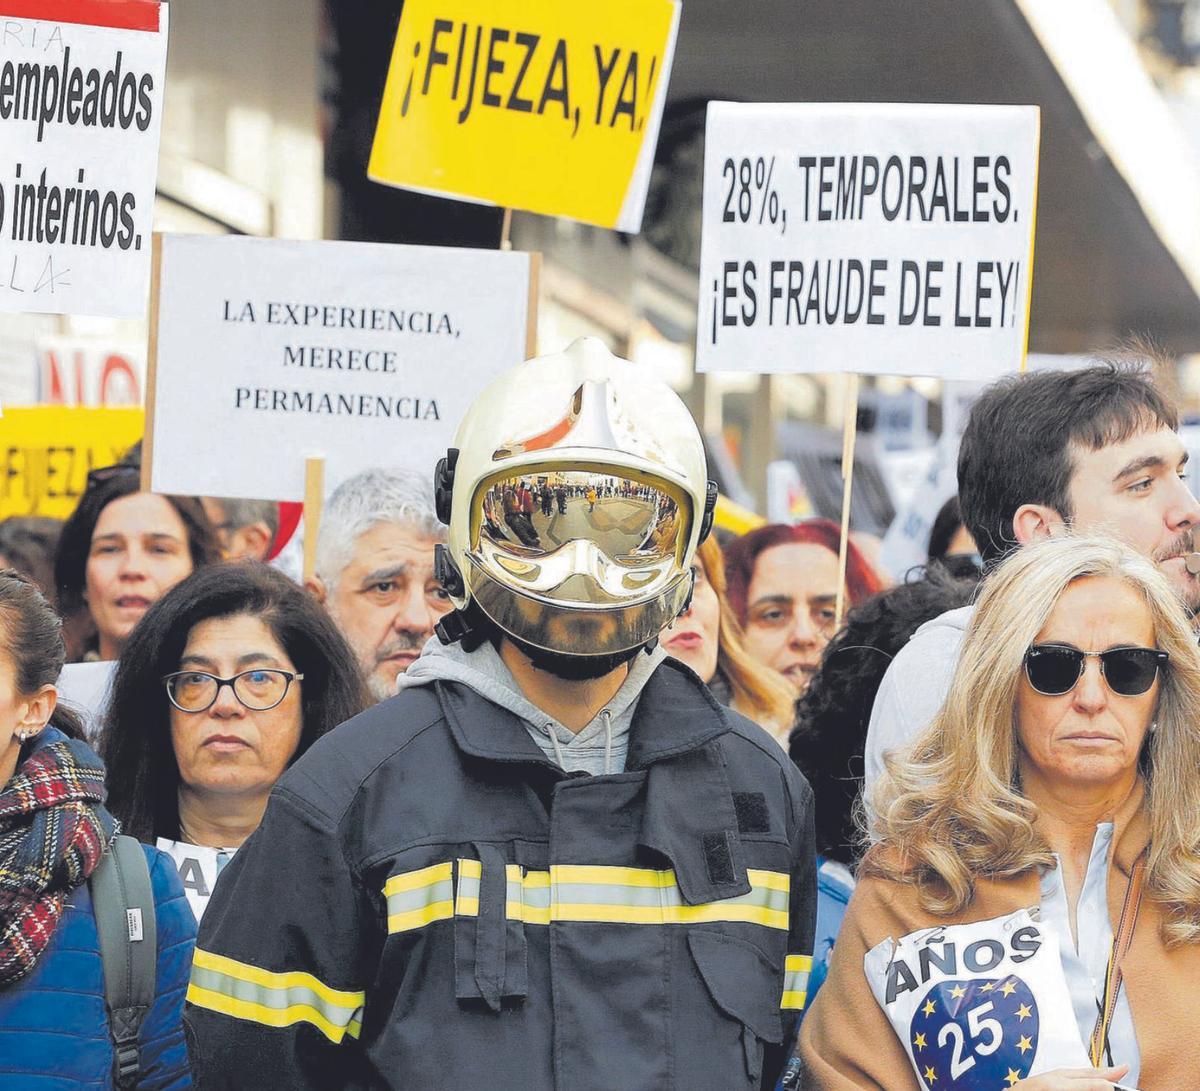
[
  {"x": 607, "y": 740},
  {"x": 552, "y": 731}
]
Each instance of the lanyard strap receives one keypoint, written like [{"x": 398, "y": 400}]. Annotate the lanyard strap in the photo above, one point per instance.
[{"x": 1121, "y": 943}]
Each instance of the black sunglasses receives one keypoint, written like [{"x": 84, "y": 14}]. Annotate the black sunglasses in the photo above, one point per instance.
[{"x": 1055, "y": 669}]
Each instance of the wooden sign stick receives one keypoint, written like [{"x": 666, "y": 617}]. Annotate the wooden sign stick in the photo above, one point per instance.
[
  {"x": 314, "y": 501},
  {"x": 849, "y": 434},
  {"x": 505, "y": 230},
  {"x": 151, "y": 360}
]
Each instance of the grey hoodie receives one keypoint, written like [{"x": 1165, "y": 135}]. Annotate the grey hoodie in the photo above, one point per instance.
[
  {"x": 914, "y": 688},
  {"x": 600, "y": 747}
]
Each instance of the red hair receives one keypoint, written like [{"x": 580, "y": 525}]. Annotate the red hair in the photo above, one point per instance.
[{"x": 741, "y": 555}]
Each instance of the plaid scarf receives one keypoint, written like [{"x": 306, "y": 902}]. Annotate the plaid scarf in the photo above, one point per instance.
[{"x": 53, "y": 831}]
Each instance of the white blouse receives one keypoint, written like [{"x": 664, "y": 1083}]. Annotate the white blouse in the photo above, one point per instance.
[{"x": 1085, "y": 965}]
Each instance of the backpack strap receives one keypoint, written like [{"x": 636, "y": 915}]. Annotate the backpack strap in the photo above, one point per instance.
[{"x": 123, "y": 901}]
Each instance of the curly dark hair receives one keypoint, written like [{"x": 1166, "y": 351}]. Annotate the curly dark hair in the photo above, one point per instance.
[{"x": 832, "y": 715}]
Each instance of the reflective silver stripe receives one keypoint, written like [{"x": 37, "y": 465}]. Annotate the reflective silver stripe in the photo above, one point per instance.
[
  {"x": 247, "y": 992},
  {"x": 622, "y": 895},
  {"x": 417, "y": 898},
  {"x": 795, "y": 981}
]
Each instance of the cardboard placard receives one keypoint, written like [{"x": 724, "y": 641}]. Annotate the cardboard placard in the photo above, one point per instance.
[
  {"x": 81, "y": 93},
  {"x": 530, "y": 104},
  {"x": 46, "y": 453},
  {"x": 867, "y": 238},
  {"x": 266, "y": 353}
]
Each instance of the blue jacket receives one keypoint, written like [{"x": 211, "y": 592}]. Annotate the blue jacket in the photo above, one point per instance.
[
  {"x": 53, "y": 1023},
  {"x": 835, "y": 884}
]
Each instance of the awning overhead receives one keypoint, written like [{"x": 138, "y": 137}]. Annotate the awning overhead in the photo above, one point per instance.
[{"x": 1118, "y": 234}]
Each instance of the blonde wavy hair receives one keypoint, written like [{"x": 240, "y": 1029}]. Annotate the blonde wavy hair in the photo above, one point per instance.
[
  {"x": 754, "y": 688},
  {"x": 951, "y": 809}
]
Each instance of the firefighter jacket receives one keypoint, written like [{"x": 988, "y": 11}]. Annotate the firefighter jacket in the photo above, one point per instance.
[{"x": 431, "y": 903}]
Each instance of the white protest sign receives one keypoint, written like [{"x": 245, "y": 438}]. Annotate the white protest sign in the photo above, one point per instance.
[
  {"x": 881, "y": 239},
  {"x": 81, "y": 92},
  {"x": 270, "y": 352}
]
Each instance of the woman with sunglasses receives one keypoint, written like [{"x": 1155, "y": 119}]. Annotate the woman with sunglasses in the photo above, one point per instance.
[
  {"x": 119, "y": 552},
  {"x": 229, "y": 678},
  {"x": 1030, "y": 914}
]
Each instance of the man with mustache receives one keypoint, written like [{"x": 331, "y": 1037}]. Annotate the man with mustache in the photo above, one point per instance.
[
  {"x": 374, "y": 571},
  {"x": 1095, "y": 450}
]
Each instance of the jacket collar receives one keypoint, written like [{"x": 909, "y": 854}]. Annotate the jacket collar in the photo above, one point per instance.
[
  {"x": 485, "y": 729},
  {"x": 674, "y": 715}
]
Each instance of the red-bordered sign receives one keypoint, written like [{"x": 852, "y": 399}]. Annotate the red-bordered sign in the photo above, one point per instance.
[{"x": 119, "y": 14}]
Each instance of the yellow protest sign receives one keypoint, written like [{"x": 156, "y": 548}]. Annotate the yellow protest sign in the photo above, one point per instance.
[
  {"x": 46, "y": 453},
  {"x": 544, "y": 105}
]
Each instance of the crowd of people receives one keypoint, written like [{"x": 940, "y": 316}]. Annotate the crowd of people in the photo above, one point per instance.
[{"x": 773, "y": 846}]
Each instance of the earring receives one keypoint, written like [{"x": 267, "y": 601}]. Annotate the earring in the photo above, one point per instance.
[{"x": 1153, "y": 727}]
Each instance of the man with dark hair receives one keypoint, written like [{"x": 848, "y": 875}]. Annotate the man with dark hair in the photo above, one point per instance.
[{"x": 1094, "y": 449}]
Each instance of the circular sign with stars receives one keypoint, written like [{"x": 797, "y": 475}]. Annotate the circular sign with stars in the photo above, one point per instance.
[{"x": 975, "y": 1034}]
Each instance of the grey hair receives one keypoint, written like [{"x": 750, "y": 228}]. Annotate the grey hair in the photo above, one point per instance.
[
  {"x": 364, "y": 501},
  {"x": 245, "y": 513}
]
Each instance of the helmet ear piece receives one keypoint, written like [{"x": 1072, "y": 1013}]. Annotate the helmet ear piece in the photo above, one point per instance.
[
  {"x": 710, "y": 512},
  {"x": 446, "y": 572},
  {"x": 687, "y": 603},
  {"x": 443, "y": 484}
]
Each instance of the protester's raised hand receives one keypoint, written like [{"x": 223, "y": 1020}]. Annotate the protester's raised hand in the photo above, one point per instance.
[{"x": 1074, "y": 1079}]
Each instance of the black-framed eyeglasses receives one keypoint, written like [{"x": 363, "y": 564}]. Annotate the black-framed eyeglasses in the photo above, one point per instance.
[
  {"x": 259, "y": 689},
  {"x": 1055, "y": 669}
]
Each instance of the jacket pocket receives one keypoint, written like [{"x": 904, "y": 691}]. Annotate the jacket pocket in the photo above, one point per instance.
[
  {"x": 745, "y": 987},
  {"x": 490, "y": 954}
]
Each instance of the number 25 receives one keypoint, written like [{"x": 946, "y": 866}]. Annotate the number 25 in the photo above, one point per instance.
[{"x": 978, "y": 1026}]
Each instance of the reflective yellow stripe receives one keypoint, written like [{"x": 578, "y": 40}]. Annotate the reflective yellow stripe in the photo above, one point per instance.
[
  {"x": 417, "y": 898},
  {"x": 622, "y": 895},
  {"x": 243, "y": 971},
  {"x": 679, "y": 914},
  {"x": 795, "y": 982},
  {"x": 418, "y": 918},
  {"x": 610, "y": 876},
  {"x": 414, "y": 880},
  {"x": 580, "y": 892},
  {"x": 271, "y": 1017},
  {"x": 242, "y": 991}
]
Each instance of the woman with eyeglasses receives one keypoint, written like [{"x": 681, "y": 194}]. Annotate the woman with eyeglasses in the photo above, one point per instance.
[
  {"x": 228, "y": 679},
  {"x": 120, "y": 551},
  {"x": 1030, "y": 914}
]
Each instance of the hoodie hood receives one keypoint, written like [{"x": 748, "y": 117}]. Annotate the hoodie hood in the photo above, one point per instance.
[
  {"x": 955, "y": 620},
  {"x": 599, "y": 747}
]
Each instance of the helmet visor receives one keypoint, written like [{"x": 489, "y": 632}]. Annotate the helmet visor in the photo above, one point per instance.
[{"x": 579, "y": 536}]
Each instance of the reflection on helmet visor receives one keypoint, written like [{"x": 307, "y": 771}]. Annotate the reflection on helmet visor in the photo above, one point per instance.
[{"x": 631, "y": 523}]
